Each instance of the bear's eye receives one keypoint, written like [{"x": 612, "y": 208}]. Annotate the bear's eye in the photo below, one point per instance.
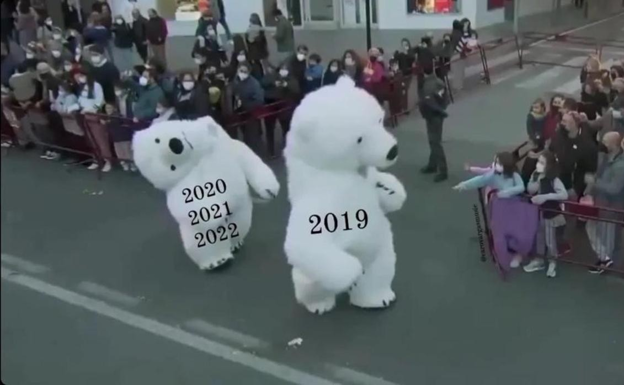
[
  {"x": 360, "y": 139},
  {"x": 173, "y": 168},
  {"x": 157, "y": 140}
]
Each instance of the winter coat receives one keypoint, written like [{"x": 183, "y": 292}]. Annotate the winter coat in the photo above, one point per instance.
[
  {"x": 124, "y": 36},
  {"x": 156, "y": 30},
  {"x": 92, "y": 103},
  {"x": 284, "y": 35}
]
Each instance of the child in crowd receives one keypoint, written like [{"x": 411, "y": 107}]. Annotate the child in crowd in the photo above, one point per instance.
[
  {"x": 314, "y": 73},
  {"x": 548, "y": 191},
  {"x": 536, "y": 120},
  {"x": 121, "y": 135},
  {"x": 332, "y": 73},
  {"x": 504, "y": 179}
]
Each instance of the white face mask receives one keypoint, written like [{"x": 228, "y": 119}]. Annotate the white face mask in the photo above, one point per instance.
[
  {"x": 211, "y": 32},
  {"x": 96, "y": 59},
  {"x": 143, "y": 81},
  {"x": 62, "y": 93},
  {"x": 119, "y": 22},
  {"x": 57, "y": 36},
  {"x": 49, "y": 23},
  {"x": 333, "y": 69},
  {"x": 82, "y": 80},
  {"x": 301, "y": 57},
  {"x": 498, "y": 168},
  {"x": 283, "y": 73},
  {"x": 56, "y": 54},
  {"x": 199, "y": 61},
  {"x": 241, "y": 58},
  {"x": 119, "y": 93},
  {"x": 380, "y": 58},
  {"x": 30, "y": 55},
  {"x": 243, "y": 75},
  {"x": 77, "y": 57},
  {"x": 188, "y": 85},
  {"x": 540, "y": 168},
  {"x": 349, "y": 61},
  {"x": 68, "y": 68}
]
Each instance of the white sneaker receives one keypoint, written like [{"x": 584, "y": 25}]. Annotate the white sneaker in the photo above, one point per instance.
[
  {"x": 6, "y": 145},
  {"x": 93, "y": 166},
  {"x": 107, "y": 166},
  {"x": 54, "y": 156},
  {"x": 536, "y": 264},
  {"x": 133, "y": 167},
  {"x": 516, "y": 261},
  {"x": 46, "y": 156},
  {"x": 125, "y": 166},
  {"x": 552, "y": 269}
]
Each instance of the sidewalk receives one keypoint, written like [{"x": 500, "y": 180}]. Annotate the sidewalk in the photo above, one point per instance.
[{"x": 332, "y": 43}]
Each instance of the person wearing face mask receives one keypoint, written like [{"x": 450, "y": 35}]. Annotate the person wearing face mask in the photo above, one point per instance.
[
  {"x": 298, "y": 64},
  {"x": 45, "y": 31},
  {"x": 191, "y": 102},
  {"x": 120, "y": 135},
  {"x": 503, "y": 180},
  {"x": 104, "y": 72},
  {"x": 353, "y": 66},
  {"x": 284, "y": 36},
  {"x": 66, "y": 105},
  {"x": 432, "y": 105},
  {"x": 405, "y": 57},
  {"x": 425, "y": 61},
  {"x": 56, "y": 55},
  {"x": 313, "y": 74},
  {"x": 249, "y": 96},
  {"x": 333, "y": 73},
  {"x": 553, "y": 118},
  {"x": 165, "y": 112},
  {"x": 139, "y": 34},
  {"x": 148, "y": 93},
  {"x": 240, "y": 55},
  {"x": 156, "y": 31},
  {"x": 95, "y": 33},
  {"x": 536, "y": 119},
  {"x": 256, "y": 40},
  {"x": 126, "y": 58},
  {"x": 576, "y": 151},
  {"x": 606, "y": 189},
  {"x": 282, "y": 87},
  {"x": 374, "y": 74},
  {"x": 548, "y": 192}
]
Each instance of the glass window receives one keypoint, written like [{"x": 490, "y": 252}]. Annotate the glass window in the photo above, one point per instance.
[
  {"x": 495, "y": 4},
  {"x": 433, "y": 6}
]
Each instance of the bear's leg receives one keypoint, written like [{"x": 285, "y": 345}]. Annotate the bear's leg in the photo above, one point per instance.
[
  {"x": 206, "y": 255},
  {"x": 311, "y": 295},
  {"x": 373, "y": 289},
  {"x": 239, "y": 224}
]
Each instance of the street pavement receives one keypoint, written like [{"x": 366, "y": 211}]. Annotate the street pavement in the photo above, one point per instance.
[{"x": 96, "y": 287}]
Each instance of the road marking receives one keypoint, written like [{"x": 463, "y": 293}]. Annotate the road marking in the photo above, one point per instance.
[
  {"x": 478, "y": 68},
  {"x": 171, "y": 333},
  {"x": 550, "y": 74},
  {"x": 582, "y": 27},
  {"x": 574, "y": 85},
  {"x": 24, "y": 265},
  {"x": 108, "y": 294},
  {"x": 355, "y": 377},
  {"x": 514, "y": 72},
  {"x": 610, "y": 50},
  {"x": 202, "y": 327}
]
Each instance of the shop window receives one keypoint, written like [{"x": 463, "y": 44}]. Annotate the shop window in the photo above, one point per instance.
[
  {"x": 433, "y": 6},
  {"x": 495, "y": 4}
]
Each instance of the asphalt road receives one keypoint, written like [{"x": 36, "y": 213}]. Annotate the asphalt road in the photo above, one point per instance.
[{"x": 104, "y": 292}]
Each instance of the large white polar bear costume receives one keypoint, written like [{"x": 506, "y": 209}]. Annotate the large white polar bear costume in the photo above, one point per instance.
[
  {"x": 338, "y": 237},
  {"x": 206, "y": 176}
]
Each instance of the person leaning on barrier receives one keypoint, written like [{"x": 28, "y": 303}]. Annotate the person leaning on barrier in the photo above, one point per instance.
[
  {"x": 606, "y": 188},
  {"x": 613, "y": 119},
  {"x": 433, "y": 109}
]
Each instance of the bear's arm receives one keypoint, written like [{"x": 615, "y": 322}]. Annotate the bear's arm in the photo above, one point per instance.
[
  {"x": 317, "y": 255},
  {"x": 389, "y": 189},
  {"x": 259, "y": 176}
]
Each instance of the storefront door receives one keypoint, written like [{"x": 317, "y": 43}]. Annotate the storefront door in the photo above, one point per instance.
[
  {"x": 354, "y": 13},
  {"x": 319, "y": 12}
]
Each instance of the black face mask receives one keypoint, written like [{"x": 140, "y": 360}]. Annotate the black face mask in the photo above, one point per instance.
[{"x": 603, "y": 148}]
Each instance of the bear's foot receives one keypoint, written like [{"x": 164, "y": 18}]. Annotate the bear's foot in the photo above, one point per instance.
[
  {"x": 321, "y": 307},
  {"x": 236, "y": 247},
  {"x": 378, "y": 300},
  {"x": 219, "y": 263}
]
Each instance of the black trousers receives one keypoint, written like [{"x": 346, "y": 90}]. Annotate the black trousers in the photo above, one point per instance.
[
  {"x": 437, "y": 158},
  {"x": 252, "y": 136},
  {"x": 269, "y": 124},
  {"x": 142, "y": 50}
]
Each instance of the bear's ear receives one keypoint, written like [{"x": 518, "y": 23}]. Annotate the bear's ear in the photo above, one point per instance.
[
  {"x": 210, "y": 125},
  {"x": 345, "y": 81}
]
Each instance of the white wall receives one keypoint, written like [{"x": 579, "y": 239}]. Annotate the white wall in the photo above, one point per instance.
[
  {"x": 530, "y": 7},
  {"x": 393, "y": 15},
  {"x": 485, "y": 17}
]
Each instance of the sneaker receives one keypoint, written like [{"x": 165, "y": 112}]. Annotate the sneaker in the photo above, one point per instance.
[
  {"x": 6, "y": 145},
  {"x": 46, "y": 155},
  {"x": 107, "y": 166},
  {"x": 440, "y": 178},
  {"x": 93, "y": 166},
  {"x": 54, "y": 156},
  {"x": 552, "y": 269},
  {"x": 133, "y": 167},
  {"x": 428, "y": 170},
  {"x": 125, "y": 166},
  {"x": 515, "y": 262},
  {"x": 536, "y": 264},
  {"x": 600, "y": 266}
]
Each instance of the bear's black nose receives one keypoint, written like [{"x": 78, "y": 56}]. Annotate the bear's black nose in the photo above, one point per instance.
[
  {"x": 176, "y": 146},
  {"x": 393, "y": 153}
]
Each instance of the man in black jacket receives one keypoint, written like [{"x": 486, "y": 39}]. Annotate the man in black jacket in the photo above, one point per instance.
[
  {"x": 139, "y": 32},
  {"x": 433, "y": 109},
  {"x": 104, "y": 72}
]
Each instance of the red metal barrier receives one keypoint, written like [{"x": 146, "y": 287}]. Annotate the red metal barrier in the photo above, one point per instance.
[{"x": 571, "y": 209}]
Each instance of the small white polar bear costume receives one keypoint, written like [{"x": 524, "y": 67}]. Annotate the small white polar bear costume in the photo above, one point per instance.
[
  {"x": 336, "y": 143},
  {"x": 206, "y": 176}
]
